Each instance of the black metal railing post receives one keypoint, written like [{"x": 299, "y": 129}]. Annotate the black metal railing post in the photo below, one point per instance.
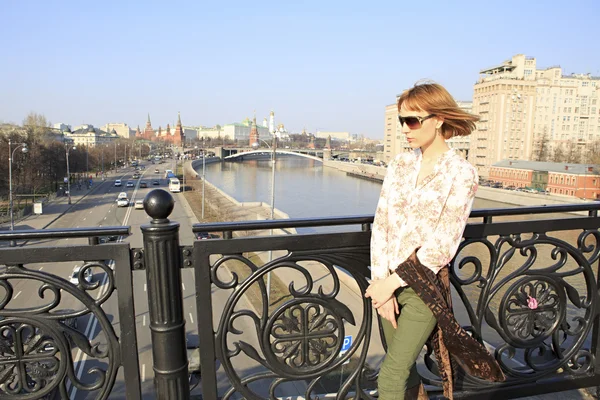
[{"x": 165, "y": 300}]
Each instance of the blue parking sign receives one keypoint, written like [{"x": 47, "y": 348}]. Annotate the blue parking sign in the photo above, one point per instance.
[{"x": 347, "y": 343}]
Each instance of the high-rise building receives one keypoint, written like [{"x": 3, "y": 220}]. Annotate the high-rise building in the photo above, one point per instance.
[
  {"x": 392, "y": 132},
  {"x": 526, "y": 113}
]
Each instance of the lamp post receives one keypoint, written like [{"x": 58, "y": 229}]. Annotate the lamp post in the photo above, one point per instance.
[
  {"x": 68, "y": 148},
  {"x": 11, "y": 155},
  {"x": 273, "y": 147}
]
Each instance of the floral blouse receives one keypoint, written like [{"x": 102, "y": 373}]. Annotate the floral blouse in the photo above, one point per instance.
[{"x": 431, "y": 217}]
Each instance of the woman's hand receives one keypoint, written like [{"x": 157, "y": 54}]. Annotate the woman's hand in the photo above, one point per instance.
[
  {"x": 381, "y": 291},
  {"x": 389, "y": 310}
]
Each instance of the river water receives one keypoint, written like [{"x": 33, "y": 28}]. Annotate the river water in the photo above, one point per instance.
[{"x": 304, "y": 188}]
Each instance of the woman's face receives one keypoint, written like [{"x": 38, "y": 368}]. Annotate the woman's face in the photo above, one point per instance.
[{"x": 419, "y": 132}]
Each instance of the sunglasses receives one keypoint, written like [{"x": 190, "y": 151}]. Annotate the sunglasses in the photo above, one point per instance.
[{"x": 413, "y": 122}]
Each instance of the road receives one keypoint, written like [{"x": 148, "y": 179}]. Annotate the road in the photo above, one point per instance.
[{"x": 100, "y": 209}]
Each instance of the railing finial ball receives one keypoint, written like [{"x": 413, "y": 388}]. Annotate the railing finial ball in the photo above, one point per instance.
[{"x": 159, "y": 204}]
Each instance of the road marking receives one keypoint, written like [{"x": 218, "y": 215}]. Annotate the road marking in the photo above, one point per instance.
[
  {"x": 78, "y": 225},
  {"x": 183, "y": 285},
  {"x": 84, "y": 219},
  {"x": 91, "y": 212},
  {"x": 17, "y": 295},
  {"x": 191, "y": 318},
  {"x": 104, "y": 218},
  {"x": 81, "y": 358},
  {"x": 144, "y": 320},
  {"x": 143, "y": 372},
  {"x": 41, "y": 268},
  {"x": 144, "y": 287}
]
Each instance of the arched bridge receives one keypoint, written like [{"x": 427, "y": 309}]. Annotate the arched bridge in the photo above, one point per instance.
[{"x": 267, "y": 151}]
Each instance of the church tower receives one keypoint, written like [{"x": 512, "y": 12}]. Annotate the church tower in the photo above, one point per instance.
[{"x": 272, "y": 123}]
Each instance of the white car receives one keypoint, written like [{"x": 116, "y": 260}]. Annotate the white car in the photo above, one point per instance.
[
  {"x": 123, "y": 202},
  {"x": 87, "y": 275},
  {"x": 122, "y": 195},
  {"x": 129, "y": 184},
  {"x": 118, "y": 182},
  {"x": 139, "y": 204}
]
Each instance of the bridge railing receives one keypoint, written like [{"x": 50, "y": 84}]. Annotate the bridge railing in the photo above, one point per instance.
[{"x": 296, "y": 323}]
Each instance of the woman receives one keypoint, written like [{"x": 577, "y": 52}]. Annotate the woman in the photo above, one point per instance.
[{"x": 424, "y": 205}]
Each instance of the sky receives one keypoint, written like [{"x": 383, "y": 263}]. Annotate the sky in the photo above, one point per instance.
[{"x": 320, "y": 65}]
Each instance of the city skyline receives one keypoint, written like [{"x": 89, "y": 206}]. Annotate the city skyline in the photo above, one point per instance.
[{"x": 328, "y": 67}]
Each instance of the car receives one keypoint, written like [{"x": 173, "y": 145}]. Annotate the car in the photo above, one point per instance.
[
  {"x": 122, "y": 195},
  {"x": 139, "y": 205},
  {"x": 143, "y": 184},
  {"x": 155, "y": 182},
  {"x": 123, "y": 202},
  {"x": 118, "y": 182},
  {"x": 108, "y": 239},
  {"x": 156, "y": 171},
  {"x": 87, "y": 275},
  {"x": 136, "y": 176},
  {"x": 130, "y": 184},
  {"x": 205, "y": 235}
]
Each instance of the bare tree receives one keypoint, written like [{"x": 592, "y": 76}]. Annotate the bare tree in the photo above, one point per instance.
[
  {"x": 542, "y": 148},
  {"x": 558, "y": 155}
]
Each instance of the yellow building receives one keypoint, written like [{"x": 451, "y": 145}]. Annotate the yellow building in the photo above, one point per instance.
[{"x": 527, "y": 112}]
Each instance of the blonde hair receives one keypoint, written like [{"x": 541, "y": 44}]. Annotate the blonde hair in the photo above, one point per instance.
[{"x": 434, "y": 98}]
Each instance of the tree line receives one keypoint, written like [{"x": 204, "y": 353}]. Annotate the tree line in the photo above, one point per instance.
[{"x": 566, "y": 152}]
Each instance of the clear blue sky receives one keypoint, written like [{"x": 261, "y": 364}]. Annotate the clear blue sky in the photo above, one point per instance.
[{"x": 327, "y": 65}]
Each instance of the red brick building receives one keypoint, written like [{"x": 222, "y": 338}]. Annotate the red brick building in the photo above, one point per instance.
[{"x": 577, "y": 180}]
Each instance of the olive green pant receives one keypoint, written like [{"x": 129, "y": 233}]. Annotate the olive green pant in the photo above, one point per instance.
[{"x": 415, "y": 323}]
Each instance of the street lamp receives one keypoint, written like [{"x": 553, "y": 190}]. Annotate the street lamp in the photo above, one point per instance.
[
  {"x": 273, "y": 147},
  {"x": 68, "y": 148},
  {"x": 11, "y": 155}
]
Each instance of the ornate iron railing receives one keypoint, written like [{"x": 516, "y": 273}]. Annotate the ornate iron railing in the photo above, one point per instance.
[
  {"x": 43, "y": 351},
  {"x": 296, "y": 323}
]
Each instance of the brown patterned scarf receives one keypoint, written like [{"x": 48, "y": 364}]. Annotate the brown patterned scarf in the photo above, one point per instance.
[{"x": 448, "y": 338}]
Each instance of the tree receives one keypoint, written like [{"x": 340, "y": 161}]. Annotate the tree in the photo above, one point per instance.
[
  {"x": 36, "y": 125},
  {"x": 542, "y": 149},
  {"x": 558, "y": 155}
]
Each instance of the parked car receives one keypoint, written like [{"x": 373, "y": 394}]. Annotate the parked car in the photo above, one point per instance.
[
  {"x": 118, "y": 182},
  {"x": 130, "y": 184},
  {"x": 139, "y": 205},
  {"x": 205, "y": 235},
  {"x": 143, "y": 184},
  {"x": 87, "y": 275},
  {"x": 108, "y": 239}
]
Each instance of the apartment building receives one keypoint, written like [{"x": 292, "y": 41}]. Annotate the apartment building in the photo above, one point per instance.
[
  {"x": 527, "y": 113},
  {"x": 392, "y": 132}
]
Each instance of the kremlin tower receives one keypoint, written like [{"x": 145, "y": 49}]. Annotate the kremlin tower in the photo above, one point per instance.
[{"x": 253, "y": 133}]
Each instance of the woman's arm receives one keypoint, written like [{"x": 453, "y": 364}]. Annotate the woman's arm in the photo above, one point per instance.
[{"x": 379, "y": 234}]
